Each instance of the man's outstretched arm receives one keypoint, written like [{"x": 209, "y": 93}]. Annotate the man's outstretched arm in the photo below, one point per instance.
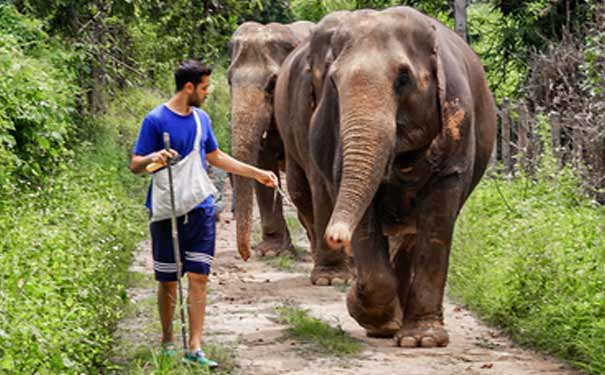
[{"x": 223, "y": 161}]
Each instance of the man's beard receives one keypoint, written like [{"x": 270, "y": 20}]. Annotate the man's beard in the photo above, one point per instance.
[{"x": 194, "y": 100}]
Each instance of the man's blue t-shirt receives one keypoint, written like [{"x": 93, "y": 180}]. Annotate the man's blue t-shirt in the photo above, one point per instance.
[{"x": 182, "y": 135}]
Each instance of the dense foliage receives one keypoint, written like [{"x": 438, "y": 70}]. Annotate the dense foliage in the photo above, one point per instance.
[
  {"x": 64, "y": 252},
  {"x": 67, "y": 216},
  {"x": 528, "y": 256},
  {"x": 37, "y": 99}
]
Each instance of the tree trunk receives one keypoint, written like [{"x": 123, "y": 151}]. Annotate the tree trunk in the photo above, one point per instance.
[{"x": 460, "y": 17}]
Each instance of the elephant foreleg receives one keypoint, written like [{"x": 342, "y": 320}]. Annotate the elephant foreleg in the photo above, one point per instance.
[
  {"x": 372, "y": 301},
  {"x": 276, "y": 236},
  {"x": 423, "y": 311}
]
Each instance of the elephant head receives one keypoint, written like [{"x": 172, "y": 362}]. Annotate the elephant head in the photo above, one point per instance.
[
  {"x": 256, "y": 52},
  {"x": 382, "y": 84}
]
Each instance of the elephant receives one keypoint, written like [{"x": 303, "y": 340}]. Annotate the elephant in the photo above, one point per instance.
[
  {"x": 256, "y": 53},
  {"x": 388, "y": 125}
]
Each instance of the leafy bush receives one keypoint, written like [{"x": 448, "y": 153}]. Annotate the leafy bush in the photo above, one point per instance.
[
  {"x": 501, "y": 53},
  {"x": 37, "y": 99},
  {"x": 528, "y": 255},
  {"x": 315, "y": 10},
  {"x": 65, "y": 250},
  {"x": 218, "y": 107},
  {"x": 312, "y": 10}
]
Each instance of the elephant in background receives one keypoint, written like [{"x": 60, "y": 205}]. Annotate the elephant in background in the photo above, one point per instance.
[
  {"x": 257, "y": 52},
  {"x": 394, "y": 110}
]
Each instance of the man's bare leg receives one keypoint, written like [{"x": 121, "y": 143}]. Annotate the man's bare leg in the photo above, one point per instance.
[
  {"x": 166, "y": 303},
  {"x": 197, "y": 309}
]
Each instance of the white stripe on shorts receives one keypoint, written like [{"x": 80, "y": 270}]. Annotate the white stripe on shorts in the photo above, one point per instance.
[
  {"x": 199, "y": 257},
  {"x": 164, "y": 267}
]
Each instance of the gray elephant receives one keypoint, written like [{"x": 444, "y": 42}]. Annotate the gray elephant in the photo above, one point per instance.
[
  {"x": 257, "y": 52},
  {"x": 388, "y": 125}
]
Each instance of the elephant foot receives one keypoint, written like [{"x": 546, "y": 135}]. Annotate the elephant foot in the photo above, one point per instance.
[
  {"x": 380, "y": 319},
  {"x": 324, "y": 276},
  {"x": 273, "y": 246},
  {"x": 424, "y": 334},
  {"x": 384, "y": 331}
]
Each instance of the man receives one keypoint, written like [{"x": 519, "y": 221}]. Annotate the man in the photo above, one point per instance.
[{"x": 196, "y": 228}]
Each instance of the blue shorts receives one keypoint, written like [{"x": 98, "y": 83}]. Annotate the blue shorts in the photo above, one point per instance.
[{"x": 196, "y": 244}]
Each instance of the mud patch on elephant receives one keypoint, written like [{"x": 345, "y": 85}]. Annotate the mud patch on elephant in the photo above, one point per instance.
[{"x": 454, "y": 116}]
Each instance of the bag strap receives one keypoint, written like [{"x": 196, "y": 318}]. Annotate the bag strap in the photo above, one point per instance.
[{"x": 198, "y": 131}]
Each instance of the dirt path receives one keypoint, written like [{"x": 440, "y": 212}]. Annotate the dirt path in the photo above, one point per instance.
[{"x": 241, "y": 315}]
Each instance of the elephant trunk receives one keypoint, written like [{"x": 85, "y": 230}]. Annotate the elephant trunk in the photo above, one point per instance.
[
  {"x": 250, "y": 119},
  {"x": 368, "y": 140}
]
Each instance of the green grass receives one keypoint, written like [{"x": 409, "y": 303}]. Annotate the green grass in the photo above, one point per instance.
[
  {"x": 149, "y": 360},
  {"x": 331, "y": 341},
  {"x": 529, "y": 255},
  {"x": 283, "y": 262}
]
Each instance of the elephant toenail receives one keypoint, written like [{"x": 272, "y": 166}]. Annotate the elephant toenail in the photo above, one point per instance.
[
  {"x": 428, "y": 342},
  {"x": 322, "y": 281},
  {"x": 270, "y": 253},
  {"x": 338, "y": 281},
  {"x": 408, "y": 342}
]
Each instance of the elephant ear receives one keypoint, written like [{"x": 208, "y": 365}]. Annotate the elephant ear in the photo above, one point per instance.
[
  {"x": 448, "y": 150},
  {"x": 324, "y": 133}
]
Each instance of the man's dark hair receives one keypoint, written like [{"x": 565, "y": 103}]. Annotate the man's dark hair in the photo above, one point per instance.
[{"x": 190, "y": 71}]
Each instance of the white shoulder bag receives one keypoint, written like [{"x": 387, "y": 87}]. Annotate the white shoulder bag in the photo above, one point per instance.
[{"x": 191, "y": 183}]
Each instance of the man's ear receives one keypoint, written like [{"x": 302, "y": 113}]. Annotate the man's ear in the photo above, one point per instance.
[{"x": 189, "y": 87}]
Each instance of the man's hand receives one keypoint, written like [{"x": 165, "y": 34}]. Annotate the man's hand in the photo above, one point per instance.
[
  {"x": 151, "y": 162},
  {"x": 162, "y": 155},
  {"x": 221, "y": 160},
  {"x": 266, "y": 178},
  {"x": 159, "y": 159}
]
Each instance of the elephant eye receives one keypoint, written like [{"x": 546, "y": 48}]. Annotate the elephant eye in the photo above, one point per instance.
[{"x": 403, "y": 79}]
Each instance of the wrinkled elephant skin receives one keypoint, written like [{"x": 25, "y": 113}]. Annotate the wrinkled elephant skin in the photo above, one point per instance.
[
  {"x": 396, "y": 115},
  {"x": 257, "y": 52}
]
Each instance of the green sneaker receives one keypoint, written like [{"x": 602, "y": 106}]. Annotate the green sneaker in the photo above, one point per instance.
[
  {"x": 199, "y": 358},
  {"x": 168, "y": 349}
]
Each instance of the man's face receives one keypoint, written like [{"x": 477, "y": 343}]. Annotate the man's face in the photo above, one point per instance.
[{"x": 199, "y": 92}]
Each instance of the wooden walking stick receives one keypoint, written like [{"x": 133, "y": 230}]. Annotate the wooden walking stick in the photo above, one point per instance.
[{"x": 175, "y": 244}]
